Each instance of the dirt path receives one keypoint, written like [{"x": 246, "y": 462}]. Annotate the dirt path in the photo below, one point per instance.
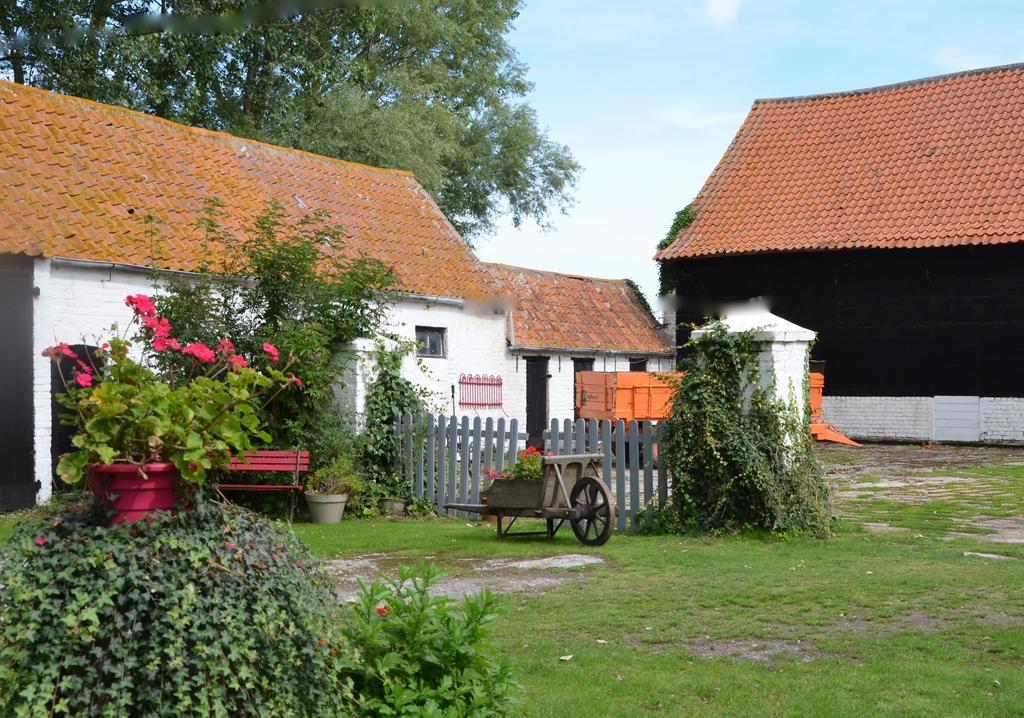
[{"x": 466, "y": 576}]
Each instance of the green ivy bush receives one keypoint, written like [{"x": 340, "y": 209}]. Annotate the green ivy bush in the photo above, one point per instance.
[
  {"x": 414, "y": 654},
  {"x": 738, "y": 457},
  {"x": 213, "y": 613}
]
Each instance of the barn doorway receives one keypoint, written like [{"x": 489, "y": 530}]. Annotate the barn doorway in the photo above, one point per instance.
[
  {"x": 17, "y": 475},
  {"x": 536, "y": 400}
]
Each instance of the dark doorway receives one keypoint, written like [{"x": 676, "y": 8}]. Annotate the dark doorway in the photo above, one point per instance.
[
  {"x": 638, "y": 364},
  {"x": 536, "y": 400},
  {"x": 578, "y": 365},
  {"x": 60, "y": 433},
  {"x": 17, "y": 480}
]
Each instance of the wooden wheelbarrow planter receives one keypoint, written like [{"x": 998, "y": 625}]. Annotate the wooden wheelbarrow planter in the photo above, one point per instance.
[{"x": 570, "y": 490}]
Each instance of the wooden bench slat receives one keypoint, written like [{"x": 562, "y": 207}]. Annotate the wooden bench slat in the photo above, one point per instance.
[{"x": 270, "y": 460}]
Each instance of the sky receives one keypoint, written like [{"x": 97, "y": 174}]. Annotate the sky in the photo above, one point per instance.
[{"x": 648, "y": 95}]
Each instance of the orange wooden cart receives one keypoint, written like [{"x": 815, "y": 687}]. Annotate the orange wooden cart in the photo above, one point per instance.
[{"x": 647, "y": 396}]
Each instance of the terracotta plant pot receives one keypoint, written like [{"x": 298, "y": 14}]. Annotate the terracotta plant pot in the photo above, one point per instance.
[
  {"x": 133, "y": 497},
  {"x": 396, "y": 507},
  {"x": 326, "y": 508}
]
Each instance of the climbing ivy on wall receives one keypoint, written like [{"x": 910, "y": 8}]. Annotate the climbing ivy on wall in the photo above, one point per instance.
[
  {"x": 739, "y": 457},
  {"x": 683, "y": 219}
]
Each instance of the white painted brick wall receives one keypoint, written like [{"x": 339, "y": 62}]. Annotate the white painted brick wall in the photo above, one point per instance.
[
  {"x": 1002, "y": 420},
  {"x": 75, "y": 305},
  {"x": 881, "y": 418},
  {"x": 888, "y": 418},
  {"x": 78, "y": 305}
]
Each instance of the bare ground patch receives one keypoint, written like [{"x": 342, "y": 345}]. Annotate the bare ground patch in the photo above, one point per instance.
[
  {"x": 920, "y": 475},
  {"x": 465, "y": 576}
]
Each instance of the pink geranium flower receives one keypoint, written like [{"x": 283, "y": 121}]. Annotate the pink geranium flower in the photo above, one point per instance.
[
  {"x": 237, "y": 362},
  {"x": 200, "y": 351},
  {"x": 297, "y": 380},
  {"x": 40, "y": 541},
  {"x": 59, "y": 350},
  {"x": 160, "y": 327},
  {"x": 142, "y": 304},
  {"x": 83, "y": 378},
  {"x": 272, "y": 351},
  {"x": 225, "y": 346},
  {"x": 160, "y": 344}
]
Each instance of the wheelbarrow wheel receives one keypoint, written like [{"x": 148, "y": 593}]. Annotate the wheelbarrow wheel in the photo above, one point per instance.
[{"x": 592, "y": 503}]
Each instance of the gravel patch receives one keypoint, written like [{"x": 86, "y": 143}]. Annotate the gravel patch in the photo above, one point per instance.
[{"x": 468, "y": 576}]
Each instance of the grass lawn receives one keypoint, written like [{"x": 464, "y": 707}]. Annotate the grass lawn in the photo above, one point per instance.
[{"x": 895, "y": 623}]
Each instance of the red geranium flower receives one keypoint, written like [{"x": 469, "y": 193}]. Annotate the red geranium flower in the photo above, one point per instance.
[
  {"x": 200, "y": 351},
  {"x": 40, "y": 541},
  {"x": 160, "y": 327},
  {"x": 237, "y": 361},
  {"x": 272, "y": 351},
  {"x": 382, "y": 611},
  {"x": 297, "y": 380},
  {"x": 160, "y": 344},
  {"x": 225, "y": 346},
  {"x": 142, "y": 304},
  {"x": 83, "y": 378}
]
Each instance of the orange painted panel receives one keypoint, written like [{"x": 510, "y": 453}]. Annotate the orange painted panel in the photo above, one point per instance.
[{"x": 643, "y": 396}]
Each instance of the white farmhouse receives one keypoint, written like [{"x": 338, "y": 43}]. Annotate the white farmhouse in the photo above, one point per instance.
[{"x": 99, "y": 202}]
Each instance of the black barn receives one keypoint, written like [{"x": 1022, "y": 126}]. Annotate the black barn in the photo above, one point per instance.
[{"x": 891, "y": 221}]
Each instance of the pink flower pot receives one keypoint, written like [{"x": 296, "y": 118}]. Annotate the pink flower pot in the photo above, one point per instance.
[{"x": 132, "y": 496}]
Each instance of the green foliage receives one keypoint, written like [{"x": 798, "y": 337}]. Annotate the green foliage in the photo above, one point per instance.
[
  {"x": 124, "y": 413},
  {"x": 212, "y": 613},
  {"x": 432, "y": 87},
  {"x": 337, "y": 477},
  {"x": 389, "y": 396},
  {"x": 415, "y": 654},
  {"x": 683, "y": 219},
  {"x": 300, "y": 294},
  {"x": 738, "y": 457}
]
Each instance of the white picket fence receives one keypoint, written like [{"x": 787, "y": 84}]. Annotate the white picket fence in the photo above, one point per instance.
[{"x": 444, "y": 458}]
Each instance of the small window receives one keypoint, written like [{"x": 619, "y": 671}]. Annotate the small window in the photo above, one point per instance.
[
  {"x": 638, "y": 364},
  {"x": 431, "y": 341}
]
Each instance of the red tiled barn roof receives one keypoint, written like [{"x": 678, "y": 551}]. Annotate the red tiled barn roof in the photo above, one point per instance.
[
  {"x": 931, "y": 163},
  {"x": 568, "y": 312},
  {"x": 77, "y": 178}
]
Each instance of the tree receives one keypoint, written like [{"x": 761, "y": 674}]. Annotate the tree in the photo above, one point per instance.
[{"x": 430, "y": 86}]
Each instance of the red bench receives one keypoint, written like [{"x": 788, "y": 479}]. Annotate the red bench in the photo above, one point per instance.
[{"x": 276, "y": 461}]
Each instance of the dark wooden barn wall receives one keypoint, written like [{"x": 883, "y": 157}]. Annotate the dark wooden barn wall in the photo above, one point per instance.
[
  {"x": 17, "y": 483},
  {"x": 918, "y": 322}
]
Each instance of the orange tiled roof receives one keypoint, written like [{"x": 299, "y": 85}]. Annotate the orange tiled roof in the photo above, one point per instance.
[
  {"x": 565, "y": 311},
  {"x": 931, "y": 163},
  {"x": 77, "y": 177}
]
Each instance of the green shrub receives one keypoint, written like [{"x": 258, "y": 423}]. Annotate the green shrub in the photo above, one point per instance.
[
  {"x": 739, "y": 458},
  {"x": 213, "y": 613},
  {"x": 414, "y": 654}
]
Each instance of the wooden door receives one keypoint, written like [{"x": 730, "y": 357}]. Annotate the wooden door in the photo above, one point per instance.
[
  {"x": 536, "y": 400},
  {"x": 17, "y": 480}
]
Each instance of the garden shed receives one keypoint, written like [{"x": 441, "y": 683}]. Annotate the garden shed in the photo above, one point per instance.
[{"x": 891, "y": 221}]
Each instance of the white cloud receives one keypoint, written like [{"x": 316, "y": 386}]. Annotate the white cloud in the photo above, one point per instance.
[
  {"x": 690, "y": 117},
  {"x": 954, "y": 59},
  {"x": 721, "y": 13}
]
